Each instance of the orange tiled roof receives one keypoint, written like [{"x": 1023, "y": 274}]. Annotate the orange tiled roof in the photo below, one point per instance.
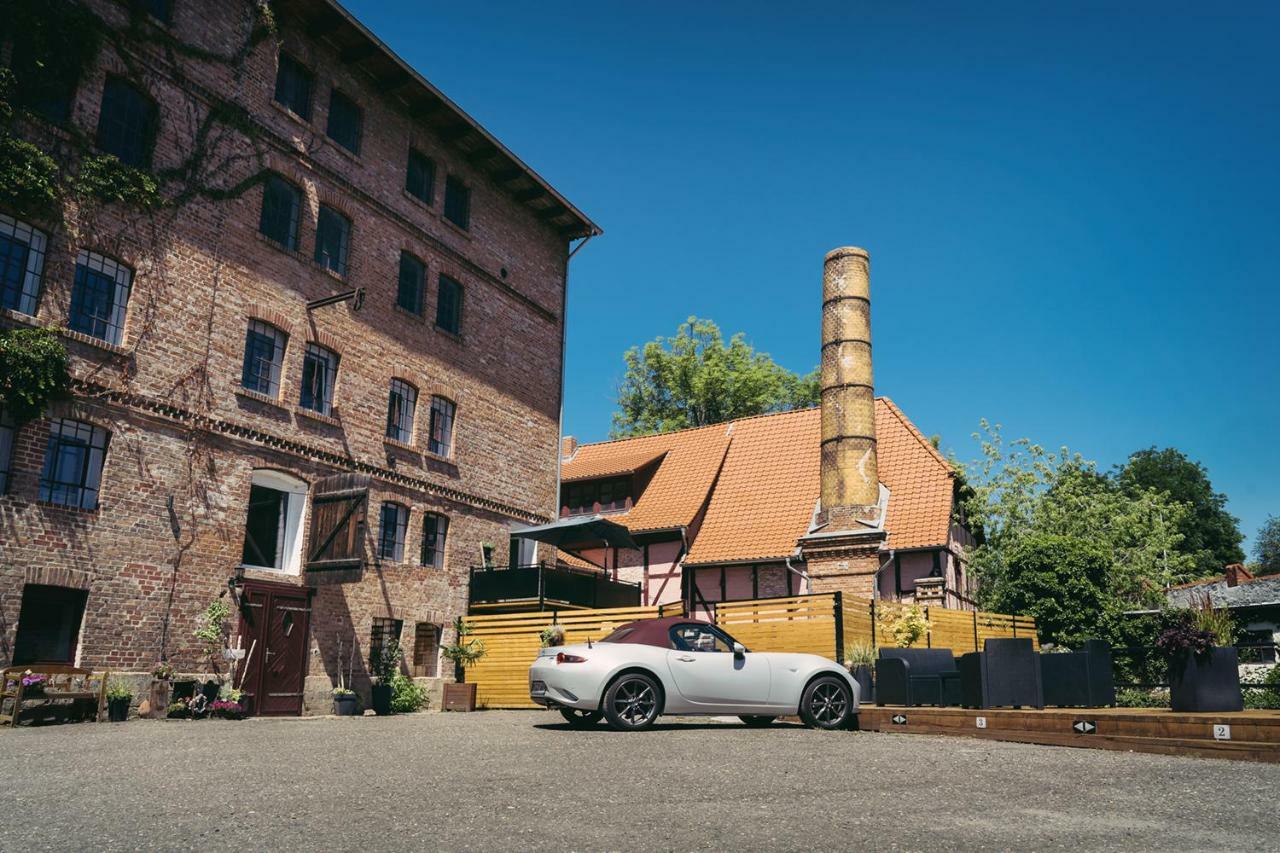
[
  {"x": 762, "y": 477},
  {"x": 625, "y": 461}
]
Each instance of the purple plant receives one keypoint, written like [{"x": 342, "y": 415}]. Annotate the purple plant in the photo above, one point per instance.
[
  {"x": 1184, "y": 638},
  {"x": 34, "y": 681}
]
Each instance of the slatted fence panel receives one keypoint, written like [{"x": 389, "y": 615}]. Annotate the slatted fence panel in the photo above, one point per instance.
[
  {"x": 800, "y": 623},
  {"x": 511, "y": 644}
]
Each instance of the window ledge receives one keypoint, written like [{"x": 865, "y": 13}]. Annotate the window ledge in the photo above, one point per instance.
[
  {"x": 291, "y": 114},
  {"x": 425, "y": 205},
  {"x": 353, "y": 156},
  {"x": 259, "y": 397},
  {"x": 443, "y": 460},
  {"x": 279, "y": 247},
  {"x": 409, "y": 315},
  {"x": 74, "y": 510},
  {"x": 465, "y": 232},
  {"x": 457, "y": 336},
  {"x": 399, "y": 445},
  {"x": 333, "y": 274},
  {"x": 331, "y": 419},
  {"x": 98, "y": 343},
  {"x": 19, "y": 317}
]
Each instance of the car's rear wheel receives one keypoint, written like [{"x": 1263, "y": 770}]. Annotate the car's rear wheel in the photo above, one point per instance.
[
  {"x": 580, "y": 719},
  {"x": 756, "y": 721},
  {"x": 631, "y": 702},
  {"x": 827, "y": 703}
]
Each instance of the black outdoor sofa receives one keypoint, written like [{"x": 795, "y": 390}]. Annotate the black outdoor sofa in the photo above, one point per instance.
[
  {"x": 1006, "y": 673},
  {"x": 917, "y": 677}
]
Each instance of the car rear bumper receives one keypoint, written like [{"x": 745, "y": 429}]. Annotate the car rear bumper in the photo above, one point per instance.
[{"x": 555, "y": 685}]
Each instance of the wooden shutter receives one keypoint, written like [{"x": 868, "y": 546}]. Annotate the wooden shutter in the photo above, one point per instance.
[{"x": 339, "y": 505}]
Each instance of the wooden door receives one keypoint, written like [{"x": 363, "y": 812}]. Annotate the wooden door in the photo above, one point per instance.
[{"x": 275, "y": 621}]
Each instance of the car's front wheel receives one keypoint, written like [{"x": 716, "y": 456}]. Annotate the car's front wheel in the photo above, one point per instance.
[
  {"x": 756, "y": 721},
  {"x": 827, "y": 703},
  {"x": 580, "y": 719},
  {"x": 631, "y": 702}
]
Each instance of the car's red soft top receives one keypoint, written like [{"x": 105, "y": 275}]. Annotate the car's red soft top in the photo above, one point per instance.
[{"x": 650, "y": 632}]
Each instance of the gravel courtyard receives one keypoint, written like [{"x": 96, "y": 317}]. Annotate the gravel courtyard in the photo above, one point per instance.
[{"x": 522, "y": 780}]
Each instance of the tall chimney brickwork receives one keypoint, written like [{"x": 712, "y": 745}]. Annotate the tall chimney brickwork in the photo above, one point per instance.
[{"x": 842, "y": 552}]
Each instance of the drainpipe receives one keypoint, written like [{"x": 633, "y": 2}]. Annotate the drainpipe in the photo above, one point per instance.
[
  {"x": 802, "y": 574},
  {"x": 564, "y": 345}
]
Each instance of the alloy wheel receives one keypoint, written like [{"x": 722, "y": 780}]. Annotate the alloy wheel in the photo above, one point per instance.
[
  {"x": 634, "y": 702},
  {"x": 828, "y": 703}
]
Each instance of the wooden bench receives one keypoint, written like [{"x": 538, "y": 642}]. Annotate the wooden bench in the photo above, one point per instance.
[{"x": 63, "y": 682}]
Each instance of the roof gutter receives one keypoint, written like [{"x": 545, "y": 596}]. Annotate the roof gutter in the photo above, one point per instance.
[{"x": 564, "y": 346}]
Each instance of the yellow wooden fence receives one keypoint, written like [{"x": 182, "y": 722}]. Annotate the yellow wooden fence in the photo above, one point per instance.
[{"x": 511, "y": 644}]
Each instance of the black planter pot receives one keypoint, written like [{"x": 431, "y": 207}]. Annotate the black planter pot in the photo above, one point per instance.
[
  {"x": 345, "y": 705},
  {"x": 382, "y": 699},
  {"x": 1208, "y": 682},
  {"x": 117, "y": 710},
  {"x": 866, "y": 690}
]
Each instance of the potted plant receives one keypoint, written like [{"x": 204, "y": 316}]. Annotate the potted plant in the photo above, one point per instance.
[
  {"x": 33, "y": 684},
  {"x": 552, "y": 636},
  {"x": 860, "y": 657},
  {"x": 464, "y": 652},
  {"x": 1204, "y": 672},
  {"x": 486, "y": 553},
  {"x": 345, "y": 701},
  {"x": 386, "y": 666},
  {"x": 118, "y": 698},
  {"x": 161, "y": 677}
]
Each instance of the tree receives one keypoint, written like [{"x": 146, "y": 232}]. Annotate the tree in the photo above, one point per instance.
[
  {"x": 695, "y": 379},
  {"x": 1267, "y": 547},
  {"x": 1061, "y": 581},
  {"x": 1210, "y": 535}
]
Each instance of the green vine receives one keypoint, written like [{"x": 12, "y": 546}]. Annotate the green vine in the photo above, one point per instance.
[
  {"x": 33, "y": 372},
  {"x": 29, "y": 178},
  {"x": 105, "y": 178}
]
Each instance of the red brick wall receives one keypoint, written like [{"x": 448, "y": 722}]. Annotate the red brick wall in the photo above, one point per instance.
[{"x": 202, "y": 272}]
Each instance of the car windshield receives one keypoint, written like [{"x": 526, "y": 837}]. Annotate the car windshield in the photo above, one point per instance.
[{"x": 700, "y": 638}]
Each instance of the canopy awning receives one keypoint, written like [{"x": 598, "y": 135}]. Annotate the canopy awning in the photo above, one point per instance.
[{"x": 570, "y": 534}]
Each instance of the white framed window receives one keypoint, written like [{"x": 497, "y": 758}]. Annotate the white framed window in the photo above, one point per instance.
[
  {"x": 21, "y": 264},
  {"x": 73, "y": 460},
  {"x": 400, "y": 408},
  {"x": 273, "y": 522},
  {"x": 263, "y": 358},
  {"x": 100, "y": 297}
]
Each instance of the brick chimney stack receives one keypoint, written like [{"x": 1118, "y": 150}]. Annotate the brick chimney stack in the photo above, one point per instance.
[
  {"x": 568, "y": 447},
  {"x": 842, "y": 551},
  {"x": 1235, "y": 573}
]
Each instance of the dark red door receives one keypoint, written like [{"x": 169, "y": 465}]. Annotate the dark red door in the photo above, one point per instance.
[{"x": 274, "y": 622}]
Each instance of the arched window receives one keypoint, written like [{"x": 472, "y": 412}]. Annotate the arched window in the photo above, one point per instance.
[
  {"x": 400, "y": 406},
  {"x": 273, "y": 522},
  {"x": 441, "y": 440}
]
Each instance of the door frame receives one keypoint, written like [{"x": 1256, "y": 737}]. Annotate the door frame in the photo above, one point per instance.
[{"x": 270, "y": 589}]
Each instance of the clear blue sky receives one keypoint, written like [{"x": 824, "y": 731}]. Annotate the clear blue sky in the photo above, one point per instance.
[{"x": 1073, "y": 214}]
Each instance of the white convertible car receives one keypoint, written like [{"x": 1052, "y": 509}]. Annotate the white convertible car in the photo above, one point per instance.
[{"x": 678, "y": 665}]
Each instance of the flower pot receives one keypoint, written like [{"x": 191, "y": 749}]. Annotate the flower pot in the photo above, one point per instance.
[
  {"x": 159, "y": 700},
  {"x": 345, "y": 704},
  {"x": 118, "y": 710},
  {"x": 382, "y": 699},
  {"x": 866, "y": 690},
  {"x": 459, "y": 697},
  {"x": 1208, "y": 682}
]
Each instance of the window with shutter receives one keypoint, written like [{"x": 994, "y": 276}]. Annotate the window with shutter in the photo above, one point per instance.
[{"x": 338, "y": 518}]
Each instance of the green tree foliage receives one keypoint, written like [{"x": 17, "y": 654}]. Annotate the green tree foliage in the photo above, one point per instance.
[
  {"x": 33, "y": 372},
  {"x": 1210, "y": 534},
  {"x": 1060, "y": 580},
  {"x": 695, "y": 379},
  {"x": 1266, "y": 549}
]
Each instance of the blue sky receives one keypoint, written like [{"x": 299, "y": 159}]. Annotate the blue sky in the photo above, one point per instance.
[{"x": 1073, "y": 212}]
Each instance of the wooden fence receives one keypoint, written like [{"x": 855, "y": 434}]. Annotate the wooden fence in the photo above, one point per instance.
[
  {"x": 511, "y": 645},
  {"x": 801, "y": 623}
]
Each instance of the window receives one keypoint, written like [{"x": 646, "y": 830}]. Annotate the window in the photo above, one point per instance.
[
  {"x": 333, "y": 235},
  {"x": 49, "y": 624},
  {"x": 420, "y": 178},
  {"x": 588, "y": 496},
  {"x": 127, "y": 123},
  {"x": 384, "y": 631},
  {"x": 449, "y": 306},
  {"x": 426, "y": 650},
  {"x": 435, "y": 530},
  {"x": 293, "y": 86},
  {"x": 161, "y": 10},
  {"x": 404, "y": 397},
  {"x": 393, "y": 527},
  {"x": 319, "y": 371},
  {"x": 440, "y": 442},
  {"x": 99, "y": 297},
  {"x": 345, "y": 118},
  {"x": 45, "y": 77},
  {"x": 73, "y": 460},
  {"x": 457, "y": 202},
  {"x": 263, "y": 357},
  {"x": 700, "y": 638},
  {"x": 281, "y": 202},
  {"x": 21, "y": 262},
  {"x": 6, "y": 449},
  {"x": 273, "y": 522},
  {"x": 413, "y": 282}
]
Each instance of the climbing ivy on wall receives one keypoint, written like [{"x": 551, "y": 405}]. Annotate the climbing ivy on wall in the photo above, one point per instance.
[{"x": 33, "y": 372}]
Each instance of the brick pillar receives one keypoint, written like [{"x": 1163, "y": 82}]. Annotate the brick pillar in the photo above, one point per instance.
[{"x": 843, "y": 562}]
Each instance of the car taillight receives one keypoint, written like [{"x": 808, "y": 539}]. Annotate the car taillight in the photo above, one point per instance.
[{"x": 563, "y": 658}]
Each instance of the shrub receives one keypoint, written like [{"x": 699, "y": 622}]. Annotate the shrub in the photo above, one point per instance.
[
  {"x": 906, "y": 627},
  {"x": 33, "y": 372},
  {"x": 406, "y": 695},
  {"x": 106, "y": 179},
  {"x": 1261, "y": 689},
  {"x": 859, "y": 654},
  {"x": 1183, "y": 636},
  {"x": 28, "y": 177},
  {"x": 1131, "y": 698}
]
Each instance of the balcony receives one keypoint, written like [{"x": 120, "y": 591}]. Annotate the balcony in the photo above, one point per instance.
[{"x": 497, "y": 589}]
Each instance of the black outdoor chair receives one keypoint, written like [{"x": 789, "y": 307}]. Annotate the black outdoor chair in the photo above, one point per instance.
[
  {"x": 1083, "y": 679},
  {"x": 917, "y": 677},
  {"x": 1006, "y": 673}
]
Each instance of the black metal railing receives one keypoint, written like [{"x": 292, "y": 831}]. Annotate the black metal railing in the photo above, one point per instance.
[
  {"x": 1146, "y": 668},
  {"x": 543, "y": 584}
]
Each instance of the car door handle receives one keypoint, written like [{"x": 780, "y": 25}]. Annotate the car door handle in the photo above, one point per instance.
[{"x": 685, "y": 659}]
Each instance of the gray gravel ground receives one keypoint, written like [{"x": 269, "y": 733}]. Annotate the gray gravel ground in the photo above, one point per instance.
[{"x": 522, "y": 780}]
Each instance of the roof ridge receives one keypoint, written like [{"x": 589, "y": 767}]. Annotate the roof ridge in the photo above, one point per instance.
[
  {"x": 915, "y": 431},
  {"x": 725, "y": 424}
]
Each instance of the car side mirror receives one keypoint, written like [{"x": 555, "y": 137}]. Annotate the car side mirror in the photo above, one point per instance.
[{"x": 739, "y": 650}]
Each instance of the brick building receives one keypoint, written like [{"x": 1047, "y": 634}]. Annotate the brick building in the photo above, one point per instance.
[{"x": 324, "y": 373}]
